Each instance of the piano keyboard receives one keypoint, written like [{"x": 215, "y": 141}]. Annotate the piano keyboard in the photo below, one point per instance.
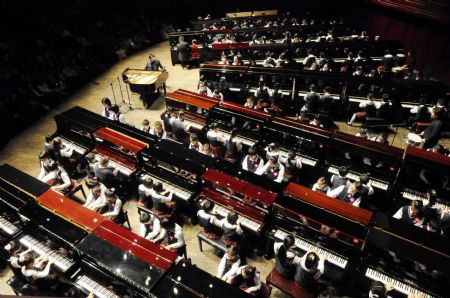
[
  {"x": 305, "y": 160},
  {"x": 284, "y": 92},
  {"x": 305, "y": 245},
  {"x": 240, "y": 139},
  {"x": 363, "y": 99},
  {"x": 192, "y": 124},
  {"x": 40, "y": 248},
  {"x": 123, "y": 169},
  {"x": 304, "y": 93},
  {"x": 398, "y": 285},
  {"x": 252, "y": 225},
  {"x": 180, "y": 192},
  {"x": 7, "y": 226},
  {"x": 77, "y": 148},
  {"x": 375, "y": 183},
  {"x": 412, "y": 195},
  {"x": 91, "y": 286}
]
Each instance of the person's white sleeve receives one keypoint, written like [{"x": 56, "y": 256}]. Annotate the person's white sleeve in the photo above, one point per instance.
[
  {"x": 160, "y": 236},
  {"x": 42, "y": 172},
  {"x": 244, "y": 163},
  {"x": 257, "y": 286},
  {"x": 233, "y": 269},
  {"x": 371, "y": 191},
  {"x": 48, "y": 177},
  {"x": 321, "y": 266},
  {"x": 239, "y": 146},
  {"x": 221, "y": 267},
  {"x": 156, "y": 230},
  {"x": 66, "y": 181},
  {"x": 66, "y": 152},
  {"x": 398, "y": 214},
  {"x": 414, "y": 110},
  {"x": 335, "y": 192},
  {"x": 362, "y": 104},
  {"x": 42, "y": 273},
  {"x": 299, "y": 163},
  {"x": 262, "y": 170},
  {"x": 164, "y": 135},
  {"x": 122, "y": 119},
  {"x": 239, "y": 230},
  {"x": 89, "y": 200},
  {"x": 116, "y": 210},
  {"x": 180, "y": 240},
  {"x": 215, "y": 221},
  {"x": 280, "y": 174},
  {"x": 142, "y": 230}
]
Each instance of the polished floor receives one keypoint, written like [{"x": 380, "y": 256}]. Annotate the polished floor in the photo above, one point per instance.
[{"x": 22, "y": 151}]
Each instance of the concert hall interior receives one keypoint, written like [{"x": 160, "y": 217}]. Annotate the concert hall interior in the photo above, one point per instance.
[{"x": 239, "y": 148}]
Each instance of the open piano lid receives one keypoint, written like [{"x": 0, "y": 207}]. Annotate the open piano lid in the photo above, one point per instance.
[
  {"x": 70, "y": 210},
  {"x": 52, "y": 224},
  {"x": 191, "y": 281},
  {"x": 21, "y": 182},
  {"x": 252, "y": 191},
  {"x": 329, "y": 211},
  {"x": 410, "y": 241},
  {"x": 120, "y": 139},
  {"x": 135, "y": 134},
  {"x": 192, "y": 99}
]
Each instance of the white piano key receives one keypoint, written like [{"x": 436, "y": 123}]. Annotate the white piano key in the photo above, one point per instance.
[
  {"x": 7, "y": 226},
  {"x": 252, "y": 225},
  {"x": 305, "y": 159},
  {"x": 89, "y": 285},
  {"x": 193, "y": 124},
  {"x": 305, "y": 245},
  {"x": 180, "y": 192},
  {"x": 355, "y": 177},
  {"x": 77, "y": 148}
]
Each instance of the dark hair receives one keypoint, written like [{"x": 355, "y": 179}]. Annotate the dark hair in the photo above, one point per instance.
[
  {"x": 158, "y": 187},
  {"x": 52, "y": 165},
  {"x": 90, "y": 157},
  {"x": 250, "y": 271},
  {"x": 91, "y": 183},
  {"x": 148, "y": 182},
  {"x": 144, "y": 217},
  {"x": 378, "y": 290},
  {"x": 44, "y": 155},
  {"x": 288, "y": 241},
  {"x": 107, "y": 101},
  {"x": 312, "y": 260},
  {"x": 208, "y": 205},
  {"x": 234, "y": 133},
  {"x": 114, "y": 109},
  {"x": 385, "y": 97},
  {"x": 364, "y": 178},
  {"x": 417, "y": 204},
  {"x": 232, "y": 217},
  {"x": 109, "y": 193},
  {"x": 27, "y": 259},
  {"x": 167, "y": 224},
  {"x": 433, "y": 196},
  {"x": 73, "y": 292},
  {"x": 145, "y": 122},
  {"x": 343, "y": 170},
  {"x": 49, "y": 138},
  {"x": 358, "y": 185},
  {"x": 273, "y": 158}
]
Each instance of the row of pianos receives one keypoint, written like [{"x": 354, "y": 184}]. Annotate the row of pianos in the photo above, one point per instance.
[{"x": 93, "y": 253}]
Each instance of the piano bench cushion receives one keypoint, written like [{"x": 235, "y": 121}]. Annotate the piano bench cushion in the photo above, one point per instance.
[
  {"x": 217, "y": 243},
  {"x": 288, "y": 286}
]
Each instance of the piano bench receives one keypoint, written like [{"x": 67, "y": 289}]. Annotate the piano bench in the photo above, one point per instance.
[
  {"x": 287, "y": 286},
  {"x": 217, "y": 243},
  {"x": 16, "y": 284}
]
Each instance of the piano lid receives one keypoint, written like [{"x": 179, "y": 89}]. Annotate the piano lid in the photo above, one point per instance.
[
  {"x": 403, "y": 243},
  {"x": 238, "y": 110},
  {"x": 249, "y": 190},
  {"x": 328, "y": 211},
  {"x": 230, "y": 46},
  {"x": 81, "y": 119},
  {"x": 190, "y": 99},
  {"x": 53, "y": 224},
  {"x": 70, "y": 210},
  {"x": 123, "y": 264},
  {"x": 203, "y": 283},
  {"x": 427, "y": 158},
  {"x": 297, "y": 128},
  {"x": 22, "y": 181},
  {"x": 146, "y": 250},
  {"x": 240, "y": 68},
  {"x": 120, "y": 139},
  {"x": 177, "y": 155},
  {"x": 13, "y": 197},
  {"x": 134, "y": 133},
  {"x": 345, "y": 141}
]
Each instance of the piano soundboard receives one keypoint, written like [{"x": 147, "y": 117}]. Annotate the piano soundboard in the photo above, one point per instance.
[
  {"x": 399, "y": 283},
  {"x": 355, "y": 177},
  {"x": 40, "y": 248},
  {"x": 180, "y": 192},
  {"x": 412, "y": 195},
  {"x": 307, "y": 245}
]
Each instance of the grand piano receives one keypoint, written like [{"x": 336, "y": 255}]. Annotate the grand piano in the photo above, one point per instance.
[
  {"x": 412, "y": 259},
  {"x": 308, "y": 142},
  {"x": 124, "y": 256},
  {"x": 248, "y": 121},
  {"x": 75, "y": 127},
  {"x": 145, "y": 81},
  {"x": 196, "y": 108},
  {"x": 251, "y": 202},
  {"x": 328, "y": 226},
  {"x": 362, "y": 156},
  {"x": 423, "y": 170}
]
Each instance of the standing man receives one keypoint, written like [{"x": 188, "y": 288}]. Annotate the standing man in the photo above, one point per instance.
[
  {"x": 432, "y": 133},
  {"x": 183, "y": 51},
  {"x": 153, "y": 64}
]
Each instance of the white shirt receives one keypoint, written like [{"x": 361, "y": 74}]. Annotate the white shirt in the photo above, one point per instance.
[
  {"x": 244, "y": 163},
  {"x": 178, "y": 235},
  {"x": 208, "y": 91},
  {"x": 153, "y": 132},
  {"x": 229, "y": 273},
  {"x": 237, "y": 227},
  {"x": 257, "y": 279},
  {"x": 264, "y": 169},
  {"x": 35, "y": 274},
  {"x": 200, "y": 147},
  {"x": 212, "y": 219},
  {"x": 162, "y": 197},
  {"x": 337, "y": 191},
  {"x": 117, "y": 208},
  {"x": 289, "y": 254},
  {"x": 211, "y": 134},
  {"x": 64, "y": 176},
  {"x": 155, "y": 232},
  {"x": 94, "y": 204},
  {"x": 318, "y": 189}
]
